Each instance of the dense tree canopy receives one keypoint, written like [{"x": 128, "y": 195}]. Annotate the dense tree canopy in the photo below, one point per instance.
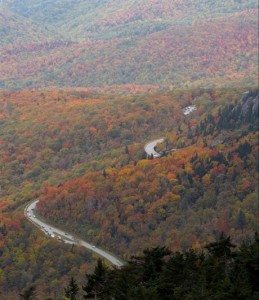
[
  {"x": 218, "y": 273},
  {"x": 207, "y": 186},
  {"x": 99, "y": 43},
  {"x": 81, "y": 152}
]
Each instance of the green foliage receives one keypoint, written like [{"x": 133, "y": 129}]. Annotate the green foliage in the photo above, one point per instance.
[
  {"x": 72, "y": 289},
  {"x": 29, "y": 260},
  {"x": 94, "y": 287},
  {"x": 222, "y": 249},
  {"x": 218, "y": 274},
  {"x": 233, "y": 116},
  {"x": 241, "y": 220}
]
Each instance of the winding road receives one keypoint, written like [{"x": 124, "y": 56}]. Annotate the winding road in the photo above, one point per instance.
[
  {"x": 54, "y": 232},
  {"x": 66, "y": 237}
]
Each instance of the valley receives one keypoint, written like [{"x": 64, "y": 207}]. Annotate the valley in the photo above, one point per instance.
[{"x": 128, "y": 149}]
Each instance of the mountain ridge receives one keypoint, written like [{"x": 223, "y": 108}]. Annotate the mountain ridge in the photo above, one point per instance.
[{"x": 134, "y": 46}]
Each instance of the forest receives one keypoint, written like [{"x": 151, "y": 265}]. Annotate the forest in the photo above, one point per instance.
[
  {"x": 40, "y": 143},
  {"x": 219, "y": 271},
  {"x": 80, "y": 151},
  {"x": 207, "y": 186},
  {"x": 84, "y": 86},
  {"x": 129, "y": 42}
]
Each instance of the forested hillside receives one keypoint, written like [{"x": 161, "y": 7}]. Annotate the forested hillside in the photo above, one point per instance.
[
  {"x": 220, "y": 271},
  {"x": 104, "y": 19},
  {"x": 84, "y": 86},
  {"x": 27, "y": 257},
  {"x": 53, "y": 136},
  {"x": 17, "y": 30},
  {"x": 206, "y": 186},
  {"x": 122, "y": 202},
  {"x": 194, "y": 43}
]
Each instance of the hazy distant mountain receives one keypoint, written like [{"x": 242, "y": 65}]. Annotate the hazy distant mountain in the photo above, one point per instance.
[
  {"x": 192, "y": 42},
  {"x": 104, "y": 18},
  {"x": 16, "y": 29}
]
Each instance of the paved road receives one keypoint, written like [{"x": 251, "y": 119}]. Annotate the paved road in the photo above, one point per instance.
[
  {"x": 150, "y": 148},
  {"x": 65, "y": 237}
]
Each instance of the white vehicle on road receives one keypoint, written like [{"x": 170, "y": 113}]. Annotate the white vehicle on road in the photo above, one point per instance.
[{"x": 189, "y": 109}]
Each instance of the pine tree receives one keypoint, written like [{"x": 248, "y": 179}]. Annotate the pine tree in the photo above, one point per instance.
[
  {"x": 221, "y": 248},
  {"x": 72, "y": 289},
  {"x": 96, "y": 282},
  {"x": 152, "y": 262}
]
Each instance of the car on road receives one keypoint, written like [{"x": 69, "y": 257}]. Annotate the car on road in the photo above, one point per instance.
[{"x": 93, "y": 246}]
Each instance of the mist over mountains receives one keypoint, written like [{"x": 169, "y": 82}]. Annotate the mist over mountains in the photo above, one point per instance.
[{"x": 98, "y": 43}]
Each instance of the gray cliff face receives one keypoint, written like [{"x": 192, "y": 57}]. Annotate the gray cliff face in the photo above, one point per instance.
[
  {"x": 247, "y": 108},
  {"x": 249, "y": 103}
]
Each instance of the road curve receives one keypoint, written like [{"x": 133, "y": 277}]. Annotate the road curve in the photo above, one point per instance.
[
  {"x": 150, "y": 148},
  {"x": 65, "y": 237}
]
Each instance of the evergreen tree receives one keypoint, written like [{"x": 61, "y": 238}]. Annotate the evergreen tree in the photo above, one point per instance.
[
  {"x": 96, "y": 282},
  {"x": 72, "y": 289},
  {"x": 158, "y": 274},
  {"x": 221, "y": 248},
  {"x": 152, "y": 262},
  {"x": 248, "y": 262}
]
